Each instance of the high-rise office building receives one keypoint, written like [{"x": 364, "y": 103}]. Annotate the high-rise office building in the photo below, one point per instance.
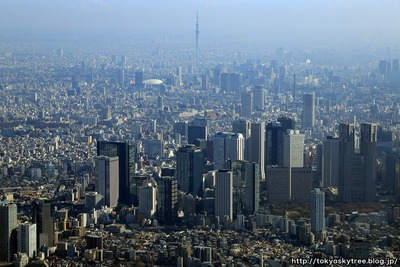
[
  {"x": 395, "y": 65},
  {"x": 139, "y": 79},
  {"x": 181, "y": 127},
  {"x": 257, "y": 146},
  {"x": 203, "y": 253},
  {"x": 230, "y": 82},
  {"x": 357, "y": 171},
  {"x": 27, "y": 239},
  {"x": 196, "y": 132},
  {"x": 273, "y": 144},
  {"x": 126, "y": 165},
  {"x": 179, "y": 75},
  {"x": 278, "y": 184},
  {"x": 289, "y": 184},
  {"x": 293, "y": 146},
  {"x": 383, "y": 68},
  {"x": 43, "y": 215},
  {"x": 8, "y": 223},
  {"x": 167, "y": 200},
  {"x": 189, "y": 169},
  {"x": 225, "y": 82},
  {"x": 287, "y": 124},
  {"x": 227, "y": 146},
  {"x": 330, "y": 162},
  {"x": 246, "y": 186},
  {"x": 247, "y": 104},
  {"x": 148, "y": 200},
  {"x": 224, "y": 194},
  {"x": 160, "y": 102},
  {"x": 308, "y": 118},
  {"x": 260, "y": 96},
  {"x": 301, "y": 181},
  {"x": 392, "y": 172},
  {"x": 153, "y": 147},
  {"x": 368, "y": 141},
  {"x": 107, "y": 179},
  {"x": 317, "y": 210},
  {"x": 244, "y": 127},
  {"x": 252, "y": 185},
  {"x": 121, "y": 76},
  {"x": 138, "y": 181},
  {"x": 204, "y": 83}
]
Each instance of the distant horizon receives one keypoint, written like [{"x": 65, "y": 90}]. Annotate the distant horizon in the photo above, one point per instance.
[{"x": 310, "y": 21}]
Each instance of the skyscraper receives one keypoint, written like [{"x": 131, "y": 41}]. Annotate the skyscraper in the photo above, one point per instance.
[
  {"x": 107, "y": 179},
  {"x": 293, "y": 146},
  {"x": 247, "y": 104},
  {"x": 196, "y": 132},
  {"x": 308, "y": 118},
  {"x": 224, "y": 194},
  {"x": 392, "y": 172},
  {"x": 27, "y": 239},
  {"x": 246, "y": 186},
  {"x": 357, "y": 171},
  {"x": 189, "y": 169},
  {"x": 289, "y": 184},
  {"x": 43, "y": 216},
  {"x": 139, "y": 79},
  {"x": 167, "y": 200},
  {"x": 227, "y": 146},
  {"x": 179, "y": 75},
  {"x": 126, "y": 164},
  {"x": 273, "y": 144},
  {"x": 244, "y": 127},
  {"x": 147, "y": 200},
  {"x": 257, "y": 146},
  {"x": 252, "y": 185},
  {"x": 260, "y": 95},
  {"x": 8, "y": 222},
  {"x": 330, "y": 162},
  {"x": 287, "y": 123},
  {"x": 368, "y": 151},
  {"x": 204, "y": 83},
  {"x": 317, "y": 210}
]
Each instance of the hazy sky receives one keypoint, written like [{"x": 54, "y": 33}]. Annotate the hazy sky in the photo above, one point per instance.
[{"x": 353, "y": 20}]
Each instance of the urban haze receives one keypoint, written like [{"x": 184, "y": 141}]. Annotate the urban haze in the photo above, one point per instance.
[{"x": 199, "y": 133}]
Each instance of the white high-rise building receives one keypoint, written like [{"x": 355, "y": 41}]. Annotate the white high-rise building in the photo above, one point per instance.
[
  {"x": 227, "y": 146},
  {"x": 179, "y": 75},
  {"x": 27, "y": 239},
  {"x": 308, "y": 118},
  {"x": 224, "y": 194},
  {"x": 148, "y": 200},
  {"x": 244, "y": 127},
  {"x": 293, "y": 146},
  {"x": 317, "y": 210},
  {"x": 107, "y": 179}
]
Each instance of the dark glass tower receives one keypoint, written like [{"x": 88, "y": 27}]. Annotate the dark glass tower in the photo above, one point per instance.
[
  {"x": 126, "y": 154},
  {"x": 189, "y": 169},
  {"x": 274, "y": 144},
  {"x": 196, "y": 132},
  {"x": 357, "y": 171},
  {"x": 167, "y": 201}
]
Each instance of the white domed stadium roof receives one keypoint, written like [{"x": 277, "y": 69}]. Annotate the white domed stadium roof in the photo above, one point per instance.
[{"x": 153, "y": 82}]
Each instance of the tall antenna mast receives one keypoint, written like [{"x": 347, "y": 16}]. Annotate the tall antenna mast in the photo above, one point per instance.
[{"x": 197, "y": 33}]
